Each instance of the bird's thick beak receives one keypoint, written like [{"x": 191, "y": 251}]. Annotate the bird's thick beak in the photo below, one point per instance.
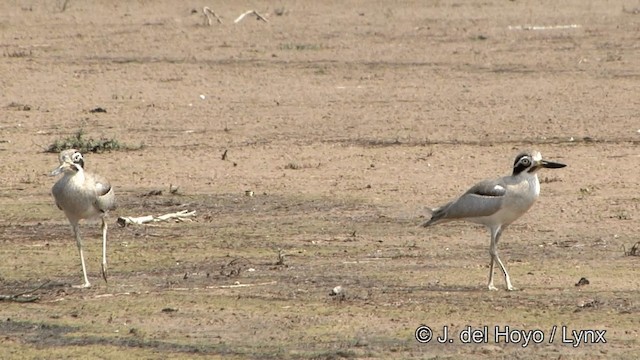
[
  {"x": 550, "y": 164},
  {"x": 59, "y": 169}
]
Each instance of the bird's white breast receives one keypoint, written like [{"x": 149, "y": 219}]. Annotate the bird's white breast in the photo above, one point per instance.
[
  {"x": 75, "y": 196},
  {"x": 534, "y": 184},
  {"x": 522, "y": 192}
]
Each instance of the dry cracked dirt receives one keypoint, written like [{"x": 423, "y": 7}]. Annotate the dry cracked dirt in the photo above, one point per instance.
[{"x": 345, "y": 120}]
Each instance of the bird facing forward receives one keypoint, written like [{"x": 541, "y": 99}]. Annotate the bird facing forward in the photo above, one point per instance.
[
  {"x": 497, "y": 203},
  {"x": 83, "y": 195}
]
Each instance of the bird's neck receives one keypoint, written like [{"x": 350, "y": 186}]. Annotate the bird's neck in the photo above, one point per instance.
[
  {"x": 78, "y": 176},
  {"x": 534, "y": 183}
]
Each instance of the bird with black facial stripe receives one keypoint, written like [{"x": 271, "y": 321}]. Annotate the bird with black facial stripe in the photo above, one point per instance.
[
  {"x": 497, "y": 203},
  {"x": 83, "y": 195}
]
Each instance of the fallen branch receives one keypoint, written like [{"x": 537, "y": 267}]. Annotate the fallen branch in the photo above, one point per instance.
[
  {"x": 542, "y": 27},
  {"x": 180, "y": 216},
  {"x": 21, "y": 298},
  {"x": 208, "y": 12},
  {"x": 260, "y": 17},
  {"x": 234, "y": 286},
  {"x": 112, "y": 295},
  {"x": 238, "y": 285}
]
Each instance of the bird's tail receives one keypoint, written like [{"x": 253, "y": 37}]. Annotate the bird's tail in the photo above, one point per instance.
[
  {"x": 431, "y": 212},
  {"x": 436, "y": 217}
]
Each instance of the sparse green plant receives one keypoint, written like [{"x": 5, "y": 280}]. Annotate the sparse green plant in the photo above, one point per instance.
[
  {"x": 88, "y": 144},
  {"x": 634, "y": 251},
  {"x": 547, "y": 180},
  {"x": 300, "y": 47},
  {"x": 587, "y": 191},
  {"x": 18, "y": 54},
  {"x": 297, "y": 166},
  {"x": 293, "y": 166},
  {"x": 622, "y": 215},
  {"x": 281, "y": 256}
]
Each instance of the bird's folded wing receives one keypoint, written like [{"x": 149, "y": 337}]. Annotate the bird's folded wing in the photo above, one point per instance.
[
  {"x": 488, "y": 188},
  {"x": 483, "y": 199},
  {"x": 102, "y": 185},
  {"x": 472, "y": 205},
  {"x": 106, "y": 199}
]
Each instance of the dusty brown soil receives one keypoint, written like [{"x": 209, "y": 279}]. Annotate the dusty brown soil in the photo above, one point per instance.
[{"x": 346, "y": 119}]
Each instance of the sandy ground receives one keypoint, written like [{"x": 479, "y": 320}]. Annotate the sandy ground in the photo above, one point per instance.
[{"x": 346, "y": 119}]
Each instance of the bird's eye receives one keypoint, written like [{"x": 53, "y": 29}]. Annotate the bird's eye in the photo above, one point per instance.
[
  {"x": 526, "y": 162},
  {"x": 76, "y": 157}
]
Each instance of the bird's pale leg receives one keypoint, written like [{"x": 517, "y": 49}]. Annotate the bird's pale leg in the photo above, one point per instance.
[
  {"x": 494, "y": 244},
  {"x": 76, "y": 232},
  {"x": 493, "y": 252},
  {"x": 104, "y": 249}
]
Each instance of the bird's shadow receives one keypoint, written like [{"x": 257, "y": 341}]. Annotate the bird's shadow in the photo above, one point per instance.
[
  {"x": 442, "y": 288},
  {"x": 452, "y": 288},
  {"x": 28, "y": 291}
]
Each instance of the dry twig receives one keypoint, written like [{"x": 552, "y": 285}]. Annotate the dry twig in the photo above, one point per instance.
[
  {"x": 207, "y": 14},
  {"x": 234, "y": 267},
  {"x": 180, "y": 216},
  {"x": 20, "y": 296},
  {"x": 260, "y": 17},
  {"x": 242, "y": 285}
]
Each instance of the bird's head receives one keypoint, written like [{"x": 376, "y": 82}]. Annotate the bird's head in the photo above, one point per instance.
[
  {"x": 71, "y": 161},
  {"x": 532, "y": 161}
]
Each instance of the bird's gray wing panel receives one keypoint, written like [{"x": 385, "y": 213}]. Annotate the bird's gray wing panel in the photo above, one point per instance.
[
  {"x": 472, "y": 205},
  {"x": 488, "y": 188},
  {"x": 483, "y": 199},
  {"x": 106, "y": 199},
  {"x": 106, "y": 202},
  {"x": 102, "y": 185}
]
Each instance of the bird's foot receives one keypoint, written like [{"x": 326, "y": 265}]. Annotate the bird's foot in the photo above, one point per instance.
[
  {"x": 104, "y": 272},
  {"x": 83, "y": 286},
  {"x": 492, "y": 288},
  {"x": 512, "y": 288}
]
